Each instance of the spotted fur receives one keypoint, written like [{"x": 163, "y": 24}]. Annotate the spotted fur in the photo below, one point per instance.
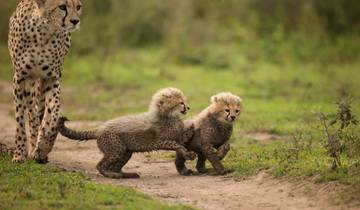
[
  {"x": 213, "y": 129},
  {"x": 39, "y": 38},
  {"x": 161, "y": 128}
]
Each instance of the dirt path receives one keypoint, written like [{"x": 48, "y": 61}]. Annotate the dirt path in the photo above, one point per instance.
[{"x": 160, "y": 179}]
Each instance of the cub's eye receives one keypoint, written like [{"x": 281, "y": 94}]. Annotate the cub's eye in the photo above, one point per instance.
[
  {"x": 62, "y": 7},
  {"x": 182, "y": 103},
  {"x": 237, "y": 111},
  {"x": 78, "y": 7},
  {"x": 227, "y": 110}
]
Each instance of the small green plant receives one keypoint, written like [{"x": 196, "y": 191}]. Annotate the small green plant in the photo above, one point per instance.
[
  {"x": 62, "y": 187},
  {"x": 290, "y": 153},
  {"x": 340, "y": 136}
]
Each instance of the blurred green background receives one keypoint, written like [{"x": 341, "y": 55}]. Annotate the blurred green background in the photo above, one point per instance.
[{"x": 286, "y": 58}]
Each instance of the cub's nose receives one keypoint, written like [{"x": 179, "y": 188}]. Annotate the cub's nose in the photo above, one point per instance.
[
  {"x": 74, "y": 21},
  {"x": 233, "y": 118}
]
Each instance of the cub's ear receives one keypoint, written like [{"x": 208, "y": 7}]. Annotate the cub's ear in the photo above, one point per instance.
[
  {"x": 238, "y": 100},
  {"x": 40, "y": 3},
  {"x": 214, "y": 99},
  {"x": 160, "y": 104}
]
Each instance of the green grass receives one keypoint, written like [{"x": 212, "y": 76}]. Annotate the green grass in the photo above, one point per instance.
[
  {"x": 282, "y": 159},
  {"x": 34, "y": 186}
]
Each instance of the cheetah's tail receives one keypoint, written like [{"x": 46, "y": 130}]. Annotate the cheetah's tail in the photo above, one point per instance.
[{"x": 72, "y": 134}]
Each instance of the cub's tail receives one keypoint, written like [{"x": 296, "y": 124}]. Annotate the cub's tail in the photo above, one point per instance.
[
  {"x": 72, "y": 134},
  {"x": 6, "y": 150}
]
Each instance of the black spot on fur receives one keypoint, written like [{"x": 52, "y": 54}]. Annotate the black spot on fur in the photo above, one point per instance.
[
  {"x": 47, "y": 89},
  {"x": 20, "y": 80},
  {"x": 44, "y": 68}
]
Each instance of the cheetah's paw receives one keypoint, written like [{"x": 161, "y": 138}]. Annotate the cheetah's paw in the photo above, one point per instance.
[{"x": 18, "y": 158}]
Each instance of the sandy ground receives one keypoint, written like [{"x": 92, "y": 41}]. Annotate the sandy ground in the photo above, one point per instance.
[{"x": 160, "y": 180}]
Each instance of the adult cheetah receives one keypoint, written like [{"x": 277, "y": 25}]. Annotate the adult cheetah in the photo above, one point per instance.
[{"x": 39, "y": 39}]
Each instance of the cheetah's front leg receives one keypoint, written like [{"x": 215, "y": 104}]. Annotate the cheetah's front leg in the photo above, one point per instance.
[
  {"x": 48, "y": 129},
  {"x": 20, "y": 152},
  {"x": 34, "y": 100}
]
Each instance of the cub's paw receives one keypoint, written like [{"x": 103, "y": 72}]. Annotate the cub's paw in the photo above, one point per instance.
[
  {"x": 130, "y": 175},
  {"x": 190, "y": 155},
  {"x": 202, "y": 170},
  {"x": 225, "y": 171},
  {"x": 187, "y": 172}
]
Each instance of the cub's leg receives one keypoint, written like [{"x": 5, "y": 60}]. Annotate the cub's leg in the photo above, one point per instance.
[
  {"x": 115, "y": 157},
  {"x": 223, "y": 150},
  {"x": 48, "y": 128},
  {"x": 200, "y": 165},
  {"x": 173, "y": 145},
  {"x": 180, "y": 165},
  {"x": 20, "y": 152},
  {"x": 120, "y": 164},
  {"x": 105, "y": 165},
  {"x": 211, "y": 155}
]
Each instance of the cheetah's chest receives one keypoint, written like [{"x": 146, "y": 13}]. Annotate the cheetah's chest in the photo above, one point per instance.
[
  {"x": 37, "y": 51},
  {"x": 44, "y": 60}
]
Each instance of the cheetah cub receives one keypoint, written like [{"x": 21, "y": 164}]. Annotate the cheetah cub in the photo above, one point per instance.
[
  {"x": 161, "y": 128},
  {"x": 213, "y": 129}
]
